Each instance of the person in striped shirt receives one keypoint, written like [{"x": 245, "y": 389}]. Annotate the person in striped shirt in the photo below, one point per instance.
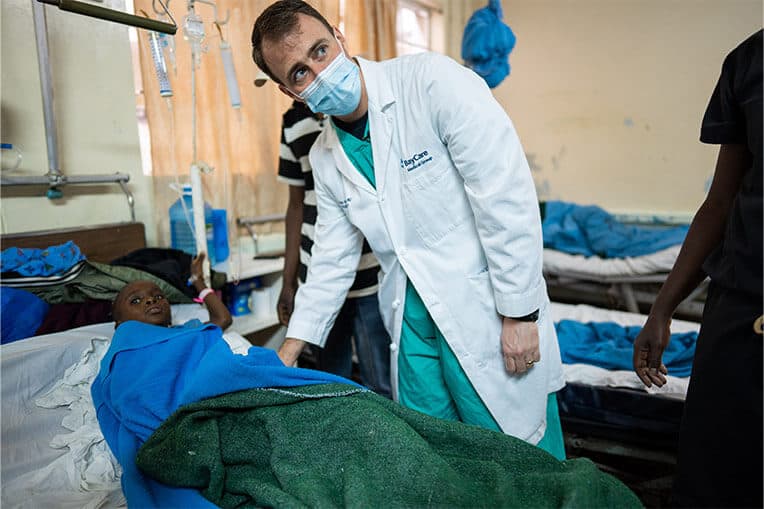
[{"x": 359, "y": 318}]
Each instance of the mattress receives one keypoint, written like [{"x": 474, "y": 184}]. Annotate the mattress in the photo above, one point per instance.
[
  {"x": 56, "y": 456},
  {"x": 594, "y": 268}
]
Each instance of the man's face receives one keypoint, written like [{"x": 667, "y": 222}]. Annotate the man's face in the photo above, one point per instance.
[
  {"x": 142, "y": 301},
  {"x": 299, "y": 57}
]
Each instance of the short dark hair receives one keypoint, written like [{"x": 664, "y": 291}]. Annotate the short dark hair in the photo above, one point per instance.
[{"x": 276, "y": 22}]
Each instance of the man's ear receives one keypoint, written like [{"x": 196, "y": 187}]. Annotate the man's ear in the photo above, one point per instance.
[
  {"x": 289, "y": 93},
  {"x": 341, "y": 39}
]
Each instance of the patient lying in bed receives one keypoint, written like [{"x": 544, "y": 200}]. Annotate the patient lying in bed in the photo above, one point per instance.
[
  {"x": 145, "y": 302},
  {"x": 193, "y": 424}
]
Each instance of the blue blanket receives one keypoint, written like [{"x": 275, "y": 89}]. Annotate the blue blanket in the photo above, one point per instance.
[
  {"x": 590, "y": 231},
  {"x": 610, "y": 346},
  {"x": 40, "y": 262},
  {"x": 21, "y": 314},
  {"x": 150, "y": 371}
]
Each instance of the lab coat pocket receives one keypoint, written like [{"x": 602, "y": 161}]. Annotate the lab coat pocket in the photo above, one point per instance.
[{"x": 434, "y": 201}]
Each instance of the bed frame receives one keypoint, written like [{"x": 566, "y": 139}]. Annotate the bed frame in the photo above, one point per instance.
[
  {"x": 99, "y": 243},
  {"x": 632, "y": 293}
]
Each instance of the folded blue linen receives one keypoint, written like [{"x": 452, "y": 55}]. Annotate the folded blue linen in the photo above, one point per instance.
[{"x": 610, "y": 346}]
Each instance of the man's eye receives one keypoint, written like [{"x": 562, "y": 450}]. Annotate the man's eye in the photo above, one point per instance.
[
  {"x": 158, "y": 297},
  {"x": 136, "y": 300},
  {"x": 299, "y": 75},
  {"x": 321, "y": 51}
]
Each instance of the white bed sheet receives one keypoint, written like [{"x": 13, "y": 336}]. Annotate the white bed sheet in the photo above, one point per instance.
[
  {"x": 676, "y": 387},
  {"x": 561, "y": 264},
  {"x": 35, "y": 474}
]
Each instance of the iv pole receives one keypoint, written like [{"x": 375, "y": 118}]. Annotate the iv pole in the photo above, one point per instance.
[{"x": 197, "y": 167}]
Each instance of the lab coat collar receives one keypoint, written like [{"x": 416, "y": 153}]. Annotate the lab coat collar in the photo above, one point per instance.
[
  {"x": 343, "y": 163},
  {"x": 380, "y": 97},
  {"x": 378, "y": 89},
  {"x": 381, "y": 117}
]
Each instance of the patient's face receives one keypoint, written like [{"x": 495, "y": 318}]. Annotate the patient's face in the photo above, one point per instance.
[{"x": 142, "y": 301}]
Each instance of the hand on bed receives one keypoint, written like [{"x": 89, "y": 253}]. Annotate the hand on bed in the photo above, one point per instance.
[
  {"x": 648, "y": 352},
  {"x": 519, "y": 345}
]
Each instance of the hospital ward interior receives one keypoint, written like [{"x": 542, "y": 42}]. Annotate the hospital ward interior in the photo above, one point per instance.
[{"x": 381, "y": 253}]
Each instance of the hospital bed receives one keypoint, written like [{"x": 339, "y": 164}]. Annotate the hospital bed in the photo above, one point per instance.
[
  {"x": 591, "y": 256},
  {"x": 34, "y": 472},
  {"x": 629, "y": 430},
  {"x": 628, "y": 283},
  {"x": 53, "y": 453}
]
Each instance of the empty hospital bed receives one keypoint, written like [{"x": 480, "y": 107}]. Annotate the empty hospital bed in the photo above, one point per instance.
[{"x": 590, "y": 256}]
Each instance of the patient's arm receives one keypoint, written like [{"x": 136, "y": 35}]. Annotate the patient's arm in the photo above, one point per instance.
[{"x": 219, "y": 314}]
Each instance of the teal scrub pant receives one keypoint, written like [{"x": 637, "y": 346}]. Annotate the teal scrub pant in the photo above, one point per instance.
[{"x": 431, "y": 380}]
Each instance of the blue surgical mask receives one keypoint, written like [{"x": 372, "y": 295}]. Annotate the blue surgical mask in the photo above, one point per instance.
[{"x": 336, "y": 90}]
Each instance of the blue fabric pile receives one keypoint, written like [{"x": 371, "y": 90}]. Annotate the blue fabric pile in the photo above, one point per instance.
[
  {"x": 486, "y": 44},
  {"x": 590, "y": 231},
  {"x": 149, "y": 371},
  {"x": 41, "y": 262},
  {"x": 610, "y": 346}
]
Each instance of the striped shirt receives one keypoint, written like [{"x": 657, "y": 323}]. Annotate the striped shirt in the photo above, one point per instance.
[{"x": 300, "y": 128}]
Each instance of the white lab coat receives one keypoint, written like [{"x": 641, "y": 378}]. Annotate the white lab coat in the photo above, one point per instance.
[{"x": 455, "y": 210}]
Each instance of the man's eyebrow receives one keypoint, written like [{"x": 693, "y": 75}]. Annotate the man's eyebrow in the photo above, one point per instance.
[{"x": 297, "y": 65}]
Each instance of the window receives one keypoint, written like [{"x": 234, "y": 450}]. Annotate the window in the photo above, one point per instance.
[{"x": 419, "y": 26}]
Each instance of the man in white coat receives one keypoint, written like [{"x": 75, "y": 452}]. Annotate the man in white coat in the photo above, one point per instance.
[{"x": 422, "y": 161}]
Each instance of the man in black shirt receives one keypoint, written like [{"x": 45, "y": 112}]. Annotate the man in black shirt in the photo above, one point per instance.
[{"x": 720, "y": 443}]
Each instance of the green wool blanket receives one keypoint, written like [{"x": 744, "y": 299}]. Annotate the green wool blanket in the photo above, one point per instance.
[{"x": 335, "y": 445}]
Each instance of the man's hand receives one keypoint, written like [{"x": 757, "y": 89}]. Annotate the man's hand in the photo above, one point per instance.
[
  {"x": 520, "y": 345},
  {"x": 285, "y": 305},
  {"x": 290, "y": 350},
  {"x": 648, "y": 352}
]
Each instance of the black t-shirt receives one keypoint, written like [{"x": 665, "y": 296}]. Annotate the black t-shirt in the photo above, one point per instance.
[
  {"x": 356, "y": 128},
  {"x": 734, "y": 116}
]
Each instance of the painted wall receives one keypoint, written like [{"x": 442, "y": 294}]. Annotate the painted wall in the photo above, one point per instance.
[
  {"x": 608, "y": 96},
  {"x": 94, "y": 100}
]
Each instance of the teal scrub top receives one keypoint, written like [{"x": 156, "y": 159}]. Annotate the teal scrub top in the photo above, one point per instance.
[{"x": 360, "y": 154}]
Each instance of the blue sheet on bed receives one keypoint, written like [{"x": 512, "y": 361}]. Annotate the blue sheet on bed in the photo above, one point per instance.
[
  {"x": 150, "y": 371},
  {"x": 591, "y": 231},
  {"x": 610, "y": 346}
]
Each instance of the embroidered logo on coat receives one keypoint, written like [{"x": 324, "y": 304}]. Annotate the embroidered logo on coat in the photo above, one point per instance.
[
  {"x": 344, "y": 203},
  {"x": 416, "y": 161}
]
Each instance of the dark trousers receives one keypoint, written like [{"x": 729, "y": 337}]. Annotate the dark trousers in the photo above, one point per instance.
[
  {"x": 359, "y": 320},
  {"x": 720, "y": 440}
]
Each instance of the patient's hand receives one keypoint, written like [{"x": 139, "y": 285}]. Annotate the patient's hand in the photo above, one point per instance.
[
  {"x": 648, "y": 352},
  {"x": 519, "y": 345}
]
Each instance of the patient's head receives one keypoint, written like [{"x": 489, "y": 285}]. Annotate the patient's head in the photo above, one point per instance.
[{"x": 142, "y": 301}]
